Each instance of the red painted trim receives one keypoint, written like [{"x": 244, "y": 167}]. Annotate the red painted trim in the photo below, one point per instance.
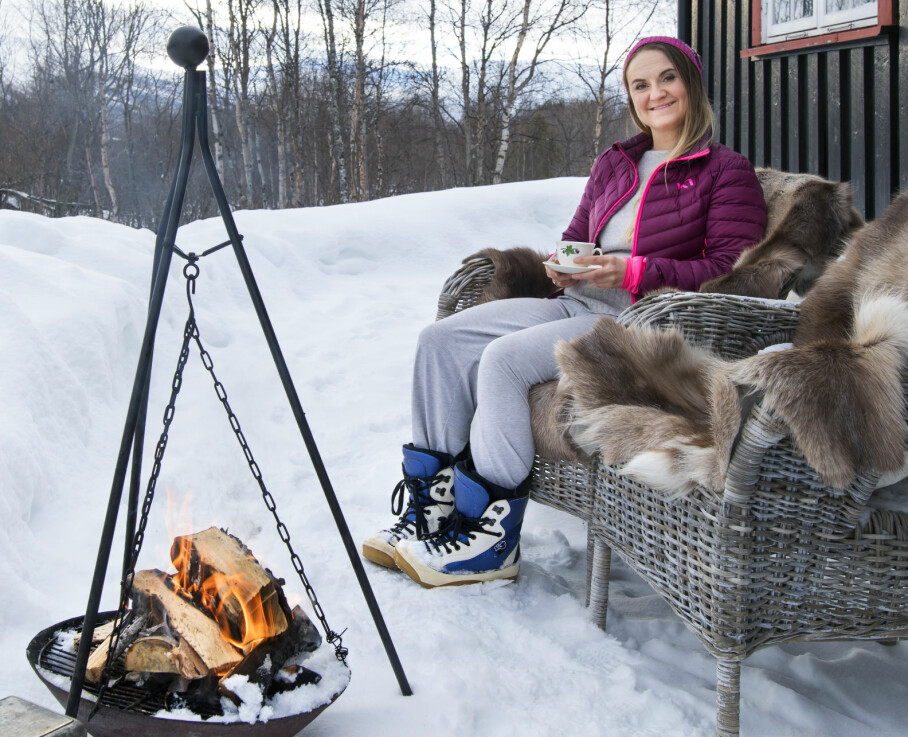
[
  {"x": 756, "y": 22},
  {"x": 885, "y": 19}
]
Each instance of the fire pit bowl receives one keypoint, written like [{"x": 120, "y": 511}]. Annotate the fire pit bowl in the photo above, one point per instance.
[{"x": 128, "y": 710}]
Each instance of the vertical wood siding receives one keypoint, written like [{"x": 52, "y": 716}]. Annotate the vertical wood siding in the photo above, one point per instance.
[{"x": 836, "y": 112}]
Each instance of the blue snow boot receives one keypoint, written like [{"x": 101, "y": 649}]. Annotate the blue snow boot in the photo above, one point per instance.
[
  {"x": 480, "y": 542},
  {"x": 430, "y": 501}
]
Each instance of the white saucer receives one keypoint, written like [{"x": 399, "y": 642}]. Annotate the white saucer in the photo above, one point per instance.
[{"x": 570, "y": 269}]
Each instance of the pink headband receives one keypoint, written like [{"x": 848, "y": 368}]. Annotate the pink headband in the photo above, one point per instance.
[{"x": 680, "y": 45}]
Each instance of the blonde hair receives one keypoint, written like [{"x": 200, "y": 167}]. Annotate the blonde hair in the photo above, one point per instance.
[{"x": 698, "y": 122}]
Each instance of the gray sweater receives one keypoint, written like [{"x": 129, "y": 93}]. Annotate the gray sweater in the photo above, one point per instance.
[{"x": 615, "y": 239}]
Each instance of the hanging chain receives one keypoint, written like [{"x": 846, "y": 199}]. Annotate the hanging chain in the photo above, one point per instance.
[
  {"x": 190, "y": 271},
  {"x": 191, "y": 334},
  {"x": 333, "y": 637}
]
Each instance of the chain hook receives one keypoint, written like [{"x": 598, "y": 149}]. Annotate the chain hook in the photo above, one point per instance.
[{"x": 191, "y": 272}]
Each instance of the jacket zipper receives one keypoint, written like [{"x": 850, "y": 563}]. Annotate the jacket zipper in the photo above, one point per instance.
[
  {"x": 621, "y": 199},
  {"x": 646, "y": 191}
]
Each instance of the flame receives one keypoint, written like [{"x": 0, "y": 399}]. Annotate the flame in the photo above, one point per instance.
[{"x": 232, "y": 600}]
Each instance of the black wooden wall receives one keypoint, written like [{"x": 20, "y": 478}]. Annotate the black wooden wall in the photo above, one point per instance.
[{"x": 836, "y": 111}]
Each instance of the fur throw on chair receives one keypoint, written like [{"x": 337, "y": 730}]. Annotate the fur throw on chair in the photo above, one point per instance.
[
  {"x": 670, "y": 411},
  {"x": 518, "y": 272},
  {"x": 809, "y": 219}
]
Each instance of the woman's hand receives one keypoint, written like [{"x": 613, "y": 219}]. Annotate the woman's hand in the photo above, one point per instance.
[
  {"x": 610, "y": 275},
  {"x": 558, "y": 279}
]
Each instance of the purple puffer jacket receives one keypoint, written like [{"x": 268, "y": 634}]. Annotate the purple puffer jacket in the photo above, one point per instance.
[{"x": 694, "y": 221}]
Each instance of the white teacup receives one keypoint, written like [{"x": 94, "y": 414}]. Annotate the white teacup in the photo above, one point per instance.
[{"x": 567, "y": 251}]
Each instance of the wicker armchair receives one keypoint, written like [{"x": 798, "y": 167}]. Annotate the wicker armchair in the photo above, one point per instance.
[{"x": 778, "y": 556}]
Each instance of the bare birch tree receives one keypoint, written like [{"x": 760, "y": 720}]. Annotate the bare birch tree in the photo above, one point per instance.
[
  {"x": 479, "y": 34},
  {"x": 242, "y": 35},
  {"x": 438, "y": 118},
  {"x": 368, "y": 21},
  {"x": 284, "y": 62},
  {"x": 116, "y": 32},
  {"x": 378, "y": 105},
  {"x": 540, "y": 21},
  {"x": 336, "y": 100}
]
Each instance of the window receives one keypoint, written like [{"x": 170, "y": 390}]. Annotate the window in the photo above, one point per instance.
[{"x": 791, "y": 19}]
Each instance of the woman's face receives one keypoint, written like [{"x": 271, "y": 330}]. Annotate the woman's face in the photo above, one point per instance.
[{"x": 658, "y": 95}]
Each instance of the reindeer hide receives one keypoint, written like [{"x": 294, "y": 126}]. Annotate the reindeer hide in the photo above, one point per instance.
[
  {"x": 518, "y": 273},
  {"x": 670, "y": 411},
  {"x": 809, "y": 220}
]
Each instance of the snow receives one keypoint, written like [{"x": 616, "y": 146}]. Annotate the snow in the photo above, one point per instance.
[{"x": 347, "y": 289}]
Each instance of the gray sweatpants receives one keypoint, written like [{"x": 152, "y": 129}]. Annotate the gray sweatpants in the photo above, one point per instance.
[{"x": 473, "y": 374}]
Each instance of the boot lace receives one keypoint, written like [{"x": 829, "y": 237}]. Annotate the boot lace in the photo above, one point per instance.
[
  {"x": 458, "y": 530},
  {"x": 413, "y": 521}
]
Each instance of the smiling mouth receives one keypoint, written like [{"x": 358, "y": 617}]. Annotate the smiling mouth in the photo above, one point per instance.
[{"x": 662, "y": 107}]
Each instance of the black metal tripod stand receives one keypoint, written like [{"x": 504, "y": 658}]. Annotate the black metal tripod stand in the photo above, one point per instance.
[{"x": 188, "y": 47}]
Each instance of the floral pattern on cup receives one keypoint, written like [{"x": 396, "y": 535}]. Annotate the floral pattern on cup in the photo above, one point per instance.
[{"x": 567, "y": 251}]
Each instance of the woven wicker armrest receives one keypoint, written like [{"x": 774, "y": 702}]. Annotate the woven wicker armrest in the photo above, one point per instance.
[
  {"x": 729, "y": 325},
  {"x": 768, "y": 468},
  {"x": 800, "y": 546},
  {"x": 464, "y": 287}
]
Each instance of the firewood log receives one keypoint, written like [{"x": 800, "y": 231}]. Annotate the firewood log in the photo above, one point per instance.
[
  {"x": 129, "y": 630},
  {"x": 100, "y": 633},
  {"x": 201, "y": 632},
  {"x": 153, "y": 654}
]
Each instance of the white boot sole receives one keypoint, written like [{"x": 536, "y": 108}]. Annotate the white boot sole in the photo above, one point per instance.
[{"x": 430, "y": 578}]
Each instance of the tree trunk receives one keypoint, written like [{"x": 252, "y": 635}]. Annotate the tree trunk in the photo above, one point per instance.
[
  {"x": 99, "y": 211},
  {"x": 217, "y": 137},
  {"x": 105, "y": 149},
  {"x": 279, "y": 113},
  {"x": 246, "y": 151},
  {"x": 465, "y": 94},
  {"x": 263, "y": 180},
  {"x": 336, "y": 137},
  {"x": 438, "y": 140},
  {"x": 357, "y": 117},
  {"x": 241, "y": 40}
]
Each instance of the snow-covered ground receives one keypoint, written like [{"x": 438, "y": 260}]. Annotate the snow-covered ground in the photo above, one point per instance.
[{"x": 348, "y": 289}]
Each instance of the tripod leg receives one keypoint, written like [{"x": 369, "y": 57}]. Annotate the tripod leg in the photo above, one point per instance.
[
  {"x": 139, "y": 438},
  {"x": 143, "y": 369},
  {"x": 293, "y": 397}
]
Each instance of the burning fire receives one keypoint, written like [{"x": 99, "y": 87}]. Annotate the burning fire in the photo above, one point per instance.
[{"x": 232, "y": 599}]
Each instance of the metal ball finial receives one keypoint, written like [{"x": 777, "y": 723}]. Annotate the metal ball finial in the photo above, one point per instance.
[{"x": 187, "y": 47}]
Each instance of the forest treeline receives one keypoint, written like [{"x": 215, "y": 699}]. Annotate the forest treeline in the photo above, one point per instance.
[{"x": 311, "y": 102}]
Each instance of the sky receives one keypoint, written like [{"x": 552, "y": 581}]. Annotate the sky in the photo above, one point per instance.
[
  {"x": 348, "y": 288},
  {"x": 410, "y": 37}
]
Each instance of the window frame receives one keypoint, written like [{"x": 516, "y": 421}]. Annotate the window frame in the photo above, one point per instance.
[
  {"x": 857, "y": 16},
  {"x": 797, "y": 26},
  {"x": 884, "y": 23}
]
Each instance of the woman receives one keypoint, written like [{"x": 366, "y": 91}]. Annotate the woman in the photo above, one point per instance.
[{"x": 667, "y": 208}]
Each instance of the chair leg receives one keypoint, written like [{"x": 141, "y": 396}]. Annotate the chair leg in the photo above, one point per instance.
[
  {"x": 598, "y": 566},
  {"x": 728, "y": 697}
]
